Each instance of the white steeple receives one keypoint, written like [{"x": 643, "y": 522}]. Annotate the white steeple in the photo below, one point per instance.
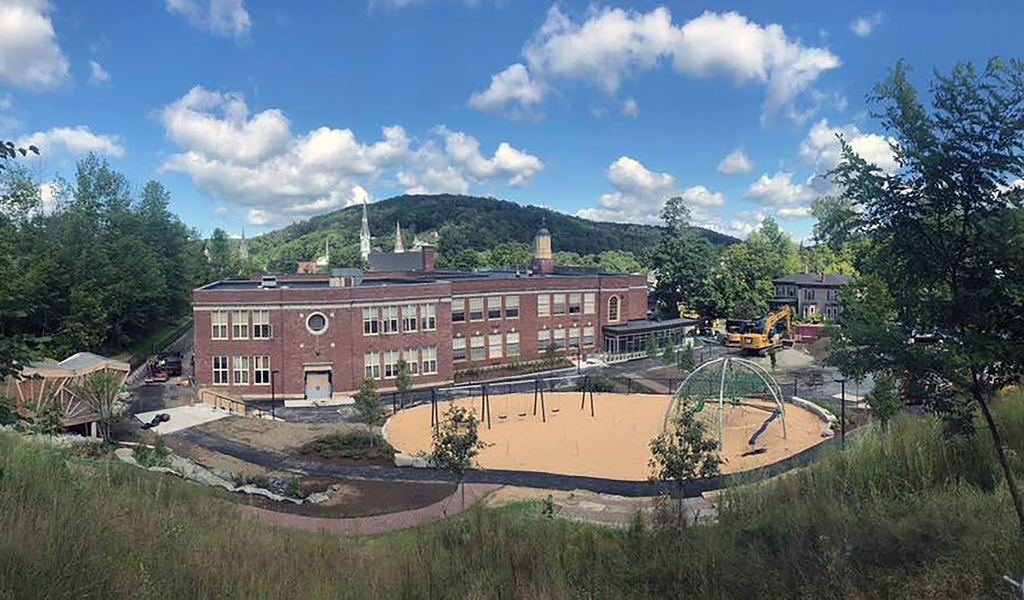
[
  {"x": 364, "y": 236},
  {"x": 398, "y": 238}
]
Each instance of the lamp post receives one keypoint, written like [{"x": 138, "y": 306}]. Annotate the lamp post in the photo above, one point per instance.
[{"x": 842, "y": 413}]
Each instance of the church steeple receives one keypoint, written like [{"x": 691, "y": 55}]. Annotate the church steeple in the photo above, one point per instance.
[
  {"x": 364, "y": 236},
  {"x": 398, "y": 238},
  {"x": 243, "y": 249}
]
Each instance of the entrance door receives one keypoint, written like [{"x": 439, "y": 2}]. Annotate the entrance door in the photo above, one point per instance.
[{"x": 318, "y": 385}]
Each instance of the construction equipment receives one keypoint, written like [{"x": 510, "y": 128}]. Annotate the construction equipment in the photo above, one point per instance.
[
  {"x": 768, "y": 333},
  {"x": 734, "y": 330}
]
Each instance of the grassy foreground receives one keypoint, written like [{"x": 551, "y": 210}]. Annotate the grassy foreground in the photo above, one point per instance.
[{"x": 905, "y": 514}]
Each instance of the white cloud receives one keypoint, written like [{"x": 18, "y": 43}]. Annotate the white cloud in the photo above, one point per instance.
[
  {"x": 74, "y": 140},
  {"x": 864, "y": 26},
  {"x": 779, "y": 192},
  {"x": 821, "y": 147},
  {"x": 221, "y": 211},
  {"x": 96, "y": 73},
  {"x": 512, "y": 92},
  {"x": 699, "y": 195},
  {"x": 222, "y": 17},
  {"x": 796, "y": 212},
  {"x": 30, "y": 57},
  {"x": 736, "y": 162},
  {"x": 630, "y": 108},
  {"x": 612, "y": 45},
  {"x": 255, "y": 159}
]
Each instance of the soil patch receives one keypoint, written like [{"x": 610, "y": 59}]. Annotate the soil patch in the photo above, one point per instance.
[
  {"x": 216, "y": 460},
  {"x": 359, "y": 498},
  {"x": 274, "y": 436}
]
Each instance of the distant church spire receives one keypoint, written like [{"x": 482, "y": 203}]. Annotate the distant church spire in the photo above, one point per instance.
[
  {"x": 364, "y": 236},
  {"x": 243, "y": 249},
  {"x": 398, "y": 237}
]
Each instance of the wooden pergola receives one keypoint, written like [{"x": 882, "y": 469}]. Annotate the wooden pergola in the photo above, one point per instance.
[{"x": 48, "y": 381}]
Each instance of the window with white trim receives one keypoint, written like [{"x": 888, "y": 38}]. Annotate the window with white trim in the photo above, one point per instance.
[
  {"x": 559, "y": 339},
  {"x": 409, "y": 319},
  {"x": 494, "y": 345},
  {"x": 390, "y": 364},
  {"x": 390, "y": 319},
  {"x": 588, "y": 336},
  {"x": 476, "y": 347},
  {"x": 219, "y": 325},
  {"x": 240, "y": 325},
  {"x": 458, "y": 349},
  {"x": 412, "y": 358},
  {"x": 574, "y": 338},
  {"x": 240, "y": 369},
  {"x": 575, "y": 301},
  {"x": 458, "y": 310},
  {"x": 558, "y": 304},
  {"x": 371, "y": 321},
  {"x": 430, "y": 360},
  {"x": 613, "y": 309},
  {"x": 543, "y": 305},
  {"x": 428, "y": 316},
  {"x": 220, "y": 369},
  {"x": 371, "y": 364},
  {"x": 588, "y": 303},
  {"x": 512, "y": 343},
  {"x": 261, "y": 329},
  {"x": 261, "y": 370},
  {"x": 511, "y": 307},
  {"x": 543, "y": 339},
  {"x": 476, "y": 309},
  {"x": 494, "y": 307}
]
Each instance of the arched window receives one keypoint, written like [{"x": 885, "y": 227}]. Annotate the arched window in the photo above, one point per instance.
[{"x": 613, "y": 309}]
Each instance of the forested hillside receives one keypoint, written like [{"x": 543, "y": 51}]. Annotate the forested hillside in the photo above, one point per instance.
[{"x": 462, "y": 223}]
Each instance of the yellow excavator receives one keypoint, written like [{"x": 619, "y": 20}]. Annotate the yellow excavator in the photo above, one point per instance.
[
  {"x": 734, "y": 330},
  {"x": 768, "y": 333}
]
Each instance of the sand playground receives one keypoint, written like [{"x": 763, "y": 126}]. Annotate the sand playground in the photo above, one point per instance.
[{"x": 612, "y": 444}]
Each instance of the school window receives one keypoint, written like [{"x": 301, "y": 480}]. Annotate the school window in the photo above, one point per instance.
[
  {"x": 543, "y": 339},
  {"x": 613, "y": 309},
  {"x": 574, "y": 304},
  {"x": 588, "y": 336},
  {"x": 543, "y": 305},
  {"x": 477, "y": 347},
  {"x": 220, "y": 368},
  {"x": 458, "y": 349},
  {"x": 588, "y": 304},
  {"x": 390, "y": 319},
  {"x": 371, "y": 322},
  {"x": 574, "y": 337},
  {"x": 494, "y": 307},
  {"x": 261, "y": 329},
  {"x": 371, "y": 364},
  {"x": 476, "y": 309},
  {"x": 409, "y": 318},
  {"x": 430, "y": 360},
  {"x": 240, "y": 325},
  {"x": 494, "y": 345},
  {"x": 559, "y": 304},
  {"x": 261, "y": 370},
  {"x": 241, "y": 370},
  {"x": 511, "y": 307},
  {"x": 559, "y": 339},
  {"x": 390, "y": 364},
  {"x": 458, "y": 310},
  {"x": 412, "y": 358},
  {"x": 219, "y": 322},
  {"x": 512, "y": 343},
  {"x": 428, "y": 313}
]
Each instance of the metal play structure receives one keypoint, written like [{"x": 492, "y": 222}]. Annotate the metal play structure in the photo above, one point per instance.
[{"x": 729, "y": 381}]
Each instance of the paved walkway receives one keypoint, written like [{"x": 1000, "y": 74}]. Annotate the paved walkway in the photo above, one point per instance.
[
  {"x": 375, "y": 524},
  {"x": 654, "y": 386}
]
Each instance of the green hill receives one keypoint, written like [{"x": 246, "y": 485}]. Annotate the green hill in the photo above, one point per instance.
[{"x": 461, "y": 222}]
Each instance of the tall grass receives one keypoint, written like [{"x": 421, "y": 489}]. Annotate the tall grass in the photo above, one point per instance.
[{"x": 899, "y": 514}]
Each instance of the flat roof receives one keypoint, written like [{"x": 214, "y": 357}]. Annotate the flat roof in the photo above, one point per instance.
[{"x": 648, "y": 326}]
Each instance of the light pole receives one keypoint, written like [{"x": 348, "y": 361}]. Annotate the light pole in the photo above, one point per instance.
[{"x": 842, "y": 413}]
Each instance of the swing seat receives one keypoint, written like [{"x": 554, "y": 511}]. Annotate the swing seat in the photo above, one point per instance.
[
  {"x": 502, "y": 417},
  {"x": 522, "y": 415},
  {"x": 555, "y": 410}
]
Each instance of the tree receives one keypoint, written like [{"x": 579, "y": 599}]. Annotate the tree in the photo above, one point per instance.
[
  {"x": 369, "y": 408},
  {"x": 668, "y": 355},
  {"x": 687, "y": 362},
  {"x": 652, "y": 346},
  {"x": 510, "y": 254},
  {"x": 685, "y": 262},
  {"x": 747, "y": 279},
  {"x": 884, "y": 399},
  {"x": 948, "y": 233},
  {"x": 837, "y": 222},
  {"x": 403, "y": 380},
  {"x": 456, "y": 444},
  {"x": 100, "y": 390},
  {"x": 684, "y": 452}
]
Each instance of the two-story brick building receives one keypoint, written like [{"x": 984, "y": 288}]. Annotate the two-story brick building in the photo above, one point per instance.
[
  {"x": 811, "y": 294},
  {"x": 314, "y": 337}
]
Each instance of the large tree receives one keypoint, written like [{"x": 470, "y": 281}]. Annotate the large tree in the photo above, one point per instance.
[
  {"x": 948, "y": 236},
  {"x": 686, "y": 263}
]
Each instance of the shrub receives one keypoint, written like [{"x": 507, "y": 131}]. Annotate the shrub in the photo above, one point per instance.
[
  {"x": 295, "y": 489},
  {"x": 595, "y": 383},
  {"x": 156, "y": 456},
  {"x": 358, "y": 445}
]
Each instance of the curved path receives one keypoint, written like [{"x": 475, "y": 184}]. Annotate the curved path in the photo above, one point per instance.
[
  {"x": 552, "y": 481},
  {"x": 377, "y": 523}
]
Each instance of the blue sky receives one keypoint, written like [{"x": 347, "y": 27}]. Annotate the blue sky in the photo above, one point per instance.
[{"x": 256, "y": 114}]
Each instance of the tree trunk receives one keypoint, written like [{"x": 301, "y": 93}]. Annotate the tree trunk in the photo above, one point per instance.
[{"x": 997, "y": 441}]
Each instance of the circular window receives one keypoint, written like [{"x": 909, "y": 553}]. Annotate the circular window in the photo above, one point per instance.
[{"x": 316, "y": 323}]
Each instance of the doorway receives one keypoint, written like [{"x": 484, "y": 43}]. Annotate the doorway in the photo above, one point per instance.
[{"x": 318, "y": 385}]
